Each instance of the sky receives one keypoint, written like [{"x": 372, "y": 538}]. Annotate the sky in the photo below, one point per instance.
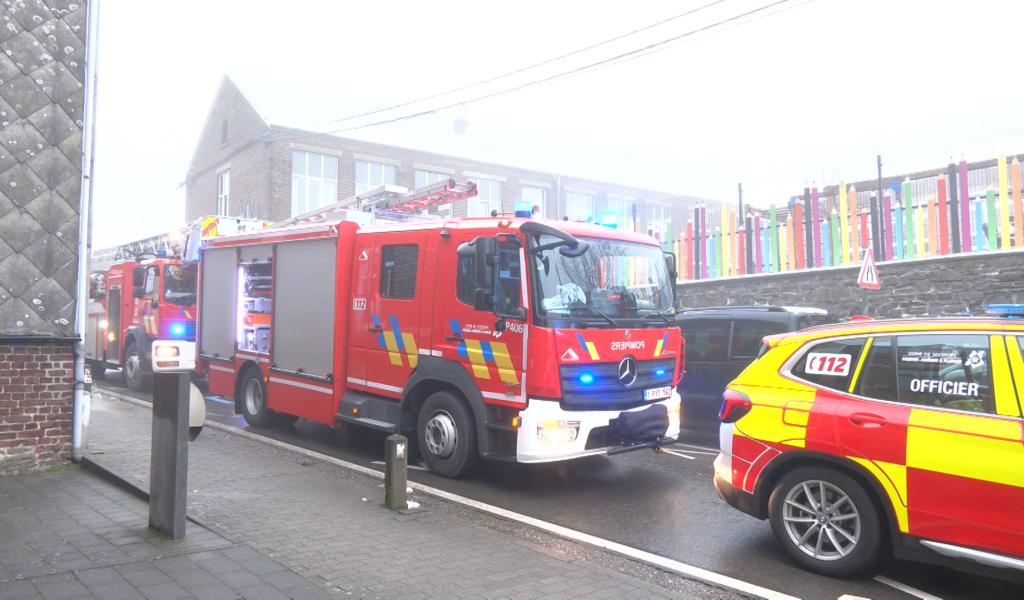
[{"x": 805, "y": 93}]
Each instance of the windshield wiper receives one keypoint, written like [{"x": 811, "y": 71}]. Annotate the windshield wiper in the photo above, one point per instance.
[
  {"x": 594, "y": 311},
  {"x": 660, "y": 314}
]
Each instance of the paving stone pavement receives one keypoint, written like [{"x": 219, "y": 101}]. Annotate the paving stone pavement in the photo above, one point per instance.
[
  {"x": 69, "y": 534},
  {"x": 327, "y": 525}
]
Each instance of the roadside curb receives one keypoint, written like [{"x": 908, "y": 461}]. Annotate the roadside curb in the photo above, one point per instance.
[{"x": 668, "y": 565}]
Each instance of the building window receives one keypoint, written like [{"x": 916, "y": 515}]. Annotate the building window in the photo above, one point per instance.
[
  {"x": 370, "y": 175},
  {"x": 537, "y": 198},
  {"x": 398, "y": 271},
  {"x": 425, "y": 178},
  {"x": 314, "y": 181},
  {"x": 488, "y": 198},
  {"x": 223, "y": 191},
  {"x": 579, "y": 207}
]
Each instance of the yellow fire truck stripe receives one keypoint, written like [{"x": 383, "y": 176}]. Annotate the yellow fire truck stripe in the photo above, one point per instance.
[
  {"x": 476, "y": 357},
  {"x": 593, "y": 351},
  {"x": 976, "y": 447},
  {"x": 410, "y": 349},
  {"x": 1006, "y": 401},
  {"x": 657, "y": 347},
  {"x": 860, "y": 364},
  {"x": 893, "y": 479},
  {"x": 1017, "y": 362},
  {"x": 392, "y": 345},
  {"x": 506, "y": 371}
]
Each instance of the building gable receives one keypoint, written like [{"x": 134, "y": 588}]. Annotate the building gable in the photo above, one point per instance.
[{"x": 231, "y": 124}]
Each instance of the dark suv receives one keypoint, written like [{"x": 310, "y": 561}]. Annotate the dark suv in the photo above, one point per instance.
[{"x": 720, "y": 342}]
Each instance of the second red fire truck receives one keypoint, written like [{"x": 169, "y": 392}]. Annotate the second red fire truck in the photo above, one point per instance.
[{"x": 499, "y": 338}]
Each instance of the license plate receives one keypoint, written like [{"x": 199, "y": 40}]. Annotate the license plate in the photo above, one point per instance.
[{"x": 658, "y": 393}]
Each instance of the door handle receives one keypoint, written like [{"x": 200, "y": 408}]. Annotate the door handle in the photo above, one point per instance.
[
  {"x": 867, "y": 420},
  {"x": 376, "y": 329},
  {"x": 454, "y": 338}
]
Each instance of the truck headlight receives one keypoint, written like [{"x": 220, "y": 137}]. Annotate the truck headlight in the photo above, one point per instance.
[{"x": 558, "y": 432}]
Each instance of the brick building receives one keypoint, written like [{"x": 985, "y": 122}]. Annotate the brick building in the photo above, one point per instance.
[
  {"x": 42, "y": 99},
  {"x": 245, "y": 164}
]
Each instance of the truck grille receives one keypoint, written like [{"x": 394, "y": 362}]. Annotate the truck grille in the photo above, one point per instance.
[{"x": 604, "y": 392}]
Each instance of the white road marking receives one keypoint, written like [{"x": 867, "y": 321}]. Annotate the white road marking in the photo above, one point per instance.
[
  {"x": 705, "y": 448},
  {"x": 685, "y": 569},
  {"x": 677, "y": 453},
  {"x": 415, "y": 467},
  {"x": 220, "y": 400},
  {"x": 906, "y": 589},
  {"x": 849, "y": 597}
]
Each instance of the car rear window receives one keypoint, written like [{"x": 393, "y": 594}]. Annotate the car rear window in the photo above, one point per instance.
[
  {"x": 707, "y": 340},
  {"x": 747, "y": 336},
  {"x": 830, "y": 364}
]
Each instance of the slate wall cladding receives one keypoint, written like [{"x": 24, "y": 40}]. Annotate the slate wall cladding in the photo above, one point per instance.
[
  {"x": 42, "y": 70},
  {"x": 942, "y": 286}
]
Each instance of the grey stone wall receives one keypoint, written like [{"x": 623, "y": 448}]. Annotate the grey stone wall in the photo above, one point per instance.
[
  {"x": 910, "y": 288},
  {"x": 42, "y": 69}
]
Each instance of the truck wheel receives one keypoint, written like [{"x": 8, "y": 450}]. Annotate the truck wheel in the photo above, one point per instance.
[
  {"x": 134, "y": 377},
  {"x": 254, "y": 399},
  {"x": 447, "y": 435},
  {"x": 826, "y": 521}
]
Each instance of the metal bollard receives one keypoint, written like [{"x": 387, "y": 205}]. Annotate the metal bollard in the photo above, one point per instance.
[
  {"x": 396, "y": 458},
  {"x": 168, "y": 472}
]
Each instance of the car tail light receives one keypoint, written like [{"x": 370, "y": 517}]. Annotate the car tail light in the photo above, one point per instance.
[{"x": 734, "y": 406}]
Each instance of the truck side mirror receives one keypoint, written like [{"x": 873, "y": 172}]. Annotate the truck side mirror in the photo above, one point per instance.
[
  {"x": 138, "y": 291},
  {"x": 670, "y": 263},
  {"x": 138, "y": 277},
  {"x": 484, "y": 252}
]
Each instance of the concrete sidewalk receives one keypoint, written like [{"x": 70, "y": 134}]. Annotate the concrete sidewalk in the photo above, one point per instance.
[{"x": 326, "y": 525}]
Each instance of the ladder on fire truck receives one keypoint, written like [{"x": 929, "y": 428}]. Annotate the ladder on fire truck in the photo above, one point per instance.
[{"x": 389, "y": 203}]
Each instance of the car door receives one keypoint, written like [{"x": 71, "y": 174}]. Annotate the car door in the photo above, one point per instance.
[
  {"x": 707, "y": 368},
  {"x": 360, "y": 323},
  {"x": 962, "y": 474}
]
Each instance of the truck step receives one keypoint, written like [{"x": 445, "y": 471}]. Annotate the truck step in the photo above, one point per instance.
[{"x": 377, "y": 424}]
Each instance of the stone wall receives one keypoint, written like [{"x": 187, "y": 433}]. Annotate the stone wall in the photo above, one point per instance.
[
  {"x": 35, "y": 405},
  {"x": 944, "y": 285}
]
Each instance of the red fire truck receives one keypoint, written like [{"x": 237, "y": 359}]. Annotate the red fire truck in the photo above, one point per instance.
[
  {"x": 500, "y": 338},
  {"x": 134, "y": 303},
  {"x": 138, "y": 300}
]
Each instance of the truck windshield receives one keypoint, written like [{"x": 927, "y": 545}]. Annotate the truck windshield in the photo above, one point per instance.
[
  {"x": 180, "y": 284},
  {"x": 611, "y": 284}
]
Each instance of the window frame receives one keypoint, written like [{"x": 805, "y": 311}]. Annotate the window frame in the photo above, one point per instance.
[
  {"x": 459, "y": 276},
  {"x": 480, "y": 203},
  {"x": 363, "y": 187},
  {"x": 587, "y": 198},
  {"x": 381, "y": 273},
  {"x": 325, "y": 183},
  {"x": 786, "y": 370},
  {"x": 543, "y": 204},
  {"x": 224, "y": 192}
]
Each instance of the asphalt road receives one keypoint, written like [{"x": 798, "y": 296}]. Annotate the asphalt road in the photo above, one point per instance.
[{"x": 661, "y": 503}]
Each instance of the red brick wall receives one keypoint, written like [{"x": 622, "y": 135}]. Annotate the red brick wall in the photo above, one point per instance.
[{"x": 35, "y": 404}]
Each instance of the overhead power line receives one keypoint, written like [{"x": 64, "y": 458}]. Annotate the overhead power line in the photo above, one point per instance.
[
  {"x": 645, "y": 50},
  {"x": 530, "y": 67}
]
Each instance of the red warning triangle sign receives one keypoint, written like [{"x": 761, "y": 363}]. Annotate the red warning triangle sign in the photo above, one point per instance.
[
  {"x": 868, "y": 277},
  {"x": 569, "y": 355}
]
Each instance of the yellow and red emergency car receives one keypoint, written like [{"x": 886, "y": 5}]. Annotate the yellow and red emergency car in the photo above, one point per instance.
[{"x": 857, "y": 437}]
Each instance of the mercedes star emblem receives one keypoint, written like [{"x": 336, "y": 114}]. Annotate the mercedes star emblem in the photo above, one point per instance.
[{"x": 627, "y": 371}]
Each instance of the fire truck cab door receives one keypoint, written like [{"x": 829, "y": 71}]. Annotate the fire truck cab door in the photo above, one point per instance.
[
  {"x": 398, "y": 290},
  {"x": 359, "y": 334},
  {"x": 493, "y": 357}
]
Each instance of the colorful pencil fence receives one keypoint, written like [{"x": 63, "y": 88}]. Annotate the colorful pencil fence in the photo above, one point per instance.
[{"x": 954, "y": 210}]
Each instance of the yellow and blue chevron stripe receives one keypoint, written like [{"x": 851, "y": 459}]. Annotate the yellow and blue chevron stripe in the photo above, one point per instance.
[
  {"x": 396, "y": 342},
  {"x": 482, "y": 354},
  {"x": 588, "y": 347},
  {"x": 660, "y": 346}
]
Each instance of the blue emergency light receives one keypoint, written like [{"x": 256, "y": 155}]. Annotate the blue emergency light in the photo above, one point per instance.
[
  {"x": 1008, "y": 311},
  {"x": 610, "y": 221},
  {"x": 660, "y": 372},
  {"x": 177, "y": 330},
  {"x": 586, "y": 379},
  {"x": 524, "y": 209}
]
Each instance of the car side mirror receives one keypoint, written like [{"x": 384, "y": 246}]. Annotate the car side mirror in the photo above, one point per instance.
[{"x": 138, "y": 276}]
